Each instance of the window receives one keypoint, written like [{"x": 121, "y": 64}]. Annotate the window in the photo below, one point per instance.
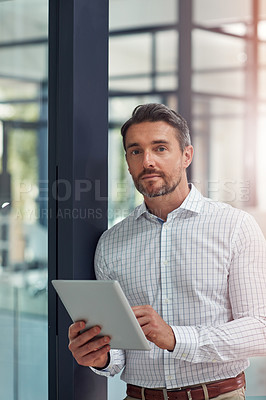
[{"x": 23, "y": 195}]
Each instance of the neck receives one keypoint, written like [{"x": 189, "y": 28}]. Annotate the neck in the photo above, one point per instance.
[{"x": 161, "y": 206}]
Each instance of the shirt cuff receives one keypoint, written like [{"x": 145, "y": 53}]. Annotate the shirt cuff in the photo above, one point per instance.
[
  {"x": 113, "y": 367},
  {"x": 103, "y": 372},
  {"x": 186, "y": 343}
]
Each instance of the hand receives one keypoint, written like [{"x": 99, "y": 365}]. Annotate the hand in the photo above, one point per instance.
[
  {"x": 85, "y": 348},
  {"x": 154, "y": 327}
]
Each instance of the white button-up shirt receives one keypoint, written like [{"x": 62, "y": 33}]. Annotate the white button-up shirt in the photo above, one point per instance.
[{"x": 204, "y": 271}]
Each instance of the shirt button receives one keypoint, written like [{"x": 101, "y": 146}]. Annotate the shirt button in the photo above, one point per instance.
[
  {"x": 165, "y": 262},
  {"x": 166, "y": 301},
  {"x": 170, "y": 377},
  {"x": 184, "y": 354}
]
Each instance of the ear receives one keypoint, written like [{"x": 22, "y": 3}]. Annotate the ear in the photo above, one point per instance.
[{"x": 187, "y": 156}]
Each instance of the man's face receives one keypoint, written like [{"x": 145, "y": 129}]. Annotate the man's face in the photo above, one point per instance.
[{"x": 154, "y": 158}]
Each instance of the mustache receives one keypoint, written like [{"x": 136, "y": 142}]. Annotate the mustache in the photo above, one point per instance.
[{"x": 148, "y": 171}]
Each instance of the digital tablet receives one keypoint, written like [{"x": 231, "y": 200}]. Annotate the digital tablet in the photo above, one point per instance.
[{"x": 103, "y": 303}]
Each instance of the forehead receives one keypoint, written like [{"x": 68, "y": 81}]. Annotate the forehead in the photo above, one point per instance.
[{"x": 147, "y": 132}]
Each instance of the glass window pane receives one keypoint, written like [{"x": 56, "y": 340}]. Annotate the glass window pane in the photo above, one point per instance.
[
  {"x": 226, "y": 83},
  {"x": 262, "y": 83},
  {"x": 23, "y": 20},
  {"x": 121, "y": 200},
  {"x": 10, "y": 92},
  {"x": 217, "y": 127},
  {"x": 262, "y": 109},
  {"x": 25, "y": 62},
  {"x": 131, "y": 85},
  {"x": 262, "y": 30},
  {"x": 261, "y": 163},
  {"x": 262, "y": 54},
  {"x": 166, "y": 51},
  {"x": 225, "y": 148},
  {"x": 130, "y": 54},
  {"x": 213, "y": 50},
  {"x": 238, "y": 28},
  {"x": 23, "y": 222},
  {"x": 217, "y": 107},
  {"x": 216, "y": 12},
  {"x": 262, "y": 9},
  {"x": 167, "y": 82},
  {"x": 132, "y": 14}
]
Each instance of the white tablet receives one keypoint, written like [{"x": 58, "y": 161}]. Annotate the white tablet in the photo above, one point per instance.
[{"x": 103, "y": 303}]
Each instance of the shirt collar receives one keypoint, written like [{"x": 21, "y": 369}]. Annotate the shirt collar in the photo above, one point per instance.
[{"x": 193, "y": 203}]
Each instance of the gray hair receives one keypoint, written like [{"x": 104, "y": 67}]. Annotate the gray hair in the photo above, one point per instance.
[{"x": 154, "y": 112}]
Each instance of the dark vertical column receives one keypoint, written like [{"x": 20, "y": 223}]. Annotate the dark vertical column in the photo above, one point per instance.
[
  {"x": 185, "y": 63},
  {"x": 42, "y": 148},
  {"x": 78, "y": 126}
]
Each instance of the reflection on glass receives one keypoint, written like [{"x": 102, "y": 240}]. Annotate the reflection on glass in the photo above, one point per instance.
[
  {"x": 23, "y": 222},
  {"x": 262, "y": 84},
  {"x": 262, "y": 30},
  {"x": 215, "y": 106},
  {"x": 262, "y": 9},
  {"x": 126, "y": 52},
  {"x": 261, "y": 164},
  {"x": 262, "y": 54},
  {"x": 166, "y": 51},
  {"x": 216, "y": 12},
  {"x": 213, "y": 50},
  {"x": 226, "y": 83},
  {"x": 167, "y": 82},
  {"x": 131, "y": 85},
  {"x": 238, "y": 28},
  {"x": 126, "y": 14}
]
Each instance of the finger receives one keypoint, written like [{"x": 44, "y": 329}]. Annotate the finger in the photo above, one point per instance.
[
  {"x": 94, "y": 345},
  {"x": 75, "y": 329},
  {"x": 90, "y": 347},
  {"x": 86, "y": 336},
  {"x": 149, "y": 332},
  {"x": 92, "y": 358},
  {"x": 142, "y": 310},
  {"x": 143, "y": 320},
  {"x": 139, "y": 308}
]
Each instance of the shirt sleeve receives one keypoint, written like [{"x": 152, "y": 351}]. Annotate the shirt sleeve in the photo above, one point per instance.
[
  {"x": 117, "y": 357},
  {"x": 117, "y": 363},
  {"x": 245, "y": 335}
]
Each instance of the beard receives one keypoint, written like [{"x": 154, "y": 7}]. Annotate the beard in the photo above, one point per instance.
[{"x": 166, "y": 187}]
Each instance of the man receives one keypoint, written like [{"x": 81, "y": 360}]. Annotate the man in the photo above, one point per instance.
[{"x": 192, "y": 269}]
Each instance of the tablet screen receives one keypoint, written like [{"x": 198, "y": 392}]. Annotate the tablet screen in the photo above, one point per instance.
[{"x": 103, "y": 303}]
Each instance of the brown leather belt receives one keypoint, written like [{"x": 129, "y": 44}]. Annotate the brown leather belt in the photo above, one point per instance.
[{"x": 190, "y": 392}]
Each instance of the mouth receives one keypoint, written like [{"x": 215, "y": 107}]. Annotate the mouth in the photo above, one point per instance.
[{"x": 150, "y": 176}]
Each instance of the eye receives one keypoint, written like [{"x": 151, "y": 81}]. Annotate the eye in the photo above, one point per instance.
[
  {"x": 161, "y": 149},
  {"x": 135, "y": 152}
]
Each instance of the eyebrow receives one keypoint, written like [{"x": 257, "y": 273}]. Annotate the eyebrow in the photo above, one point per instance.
[{"x": 153, "y": 142}]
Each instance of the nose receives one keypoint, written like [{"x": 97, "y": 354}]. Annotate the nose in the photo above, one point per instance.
[{"x": 148, "y": 161}]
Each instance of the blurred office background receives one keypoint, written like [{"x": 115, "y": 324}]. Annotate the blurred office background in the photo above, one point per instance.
[{"x": 207, "y": 62}]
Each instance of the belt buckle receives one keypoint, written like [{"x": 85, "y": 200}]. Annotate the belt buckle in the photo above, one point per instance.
[
  {"x": 165, "y": 392},
  {"x": 166, "y": 397}
]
